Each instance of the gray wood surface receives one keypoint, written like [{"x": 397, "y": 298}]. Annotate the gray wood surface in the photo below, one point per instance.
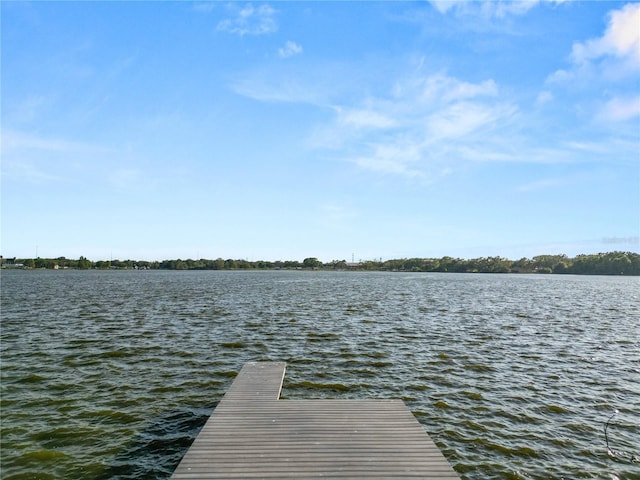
[{"x": 251, "y": 434}]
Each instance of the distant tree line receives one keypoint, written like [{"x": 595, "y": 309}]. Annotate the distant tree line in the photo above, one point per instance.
[{"x": 612, "y": 263}]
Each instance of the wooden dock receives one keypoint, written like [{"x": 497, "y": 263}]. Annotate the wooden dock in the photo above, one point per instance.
[{"x": 252, "y": 434}]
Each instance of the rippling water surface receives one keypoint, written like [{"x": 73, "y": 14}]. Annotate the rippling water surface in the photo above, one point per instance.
[{"x": 111, "y": 374}]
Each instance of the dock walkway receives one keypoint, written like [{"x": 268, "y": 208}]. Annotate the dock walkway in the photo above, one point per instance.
[{"x": 252, "y": 434}]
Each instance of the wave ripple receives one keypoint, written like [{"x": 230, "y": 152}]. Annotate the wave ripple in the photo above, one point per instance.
[{"x": 110, "y": 375}]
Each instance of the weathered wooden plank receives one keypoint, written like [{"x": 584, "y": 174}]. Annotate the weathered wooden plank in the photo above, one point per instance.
[
  {"x": 253, "y": 434},
  {"x": 257, "y": 381}
]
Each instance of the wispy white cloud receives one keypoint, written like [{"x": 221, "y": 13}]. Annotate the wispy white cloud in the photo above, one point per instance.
[
  {"x": 443, "y": 6},
  {"x": 560, "y": 77},
  {"x": 430, "y": 126},
  {"x": 608, "y": 65},
  {"x": 544, "y": 97},
  {"x": 420, "y": 127},
  {"x": 259, "y": 86},
  {"x": 18, "y": 167},
  {"x": 424, "y": 125},
  {"x": 27, "y": 110},
  {"x": 609, "y": 58},
  {"x": 23, "y": 154},
  {"x": 587, "y": 147},
  {"x": 26, "y": 171},
  {"x": 462, "y": 119},
  {"x": 317, "y": 84},
  {"x": 249, "y": 20},
  {"x": 611, "y": 147},
  {"x": 488, "y": 8},
  {"x": 620, "y": 109},
  {"x": 363, "y": 118},
  {"x": 441, "y": 87},
  {"x": 395, "y": 157},
  {"x": 41, "y": 159},
  {"x": 544, "y": 184},
  {"x": 13, "y": 140},
  {"x": 290, "y": 49},
  {"x": 204, "y": 7},
  {"x": 621, "y": 38}
]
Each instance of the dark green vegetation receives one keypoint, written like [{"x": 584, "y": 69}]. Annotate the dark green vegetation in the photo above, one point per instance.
[{"x": 612, "y": 263}]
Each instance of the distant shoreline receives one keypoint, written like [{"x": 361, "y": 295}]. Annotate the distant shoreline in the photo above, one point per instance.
[{"x": 610, "y": 263}]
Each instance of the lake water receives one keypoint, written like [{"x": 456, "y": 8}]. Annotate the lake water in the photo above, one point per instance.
[{"x": 111, "y": 374}]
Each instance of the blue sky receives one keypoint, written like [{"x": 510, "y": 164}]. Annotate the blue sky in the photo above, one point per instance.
[{"x": 285, "y": 130}]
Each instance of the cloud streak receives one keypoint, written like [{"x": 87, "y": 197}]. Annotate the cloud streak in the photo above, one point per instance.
[
  {"x": 549, "y": 183},
  {"x": 13, "y": 140},
  {"x": 620, "y": 109},
  {"x": 39, "y": 160},
  {"x": 249, "y": 20},
  {"x": 488, "y": 8},
  {"x": 290, "y": 49}
]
